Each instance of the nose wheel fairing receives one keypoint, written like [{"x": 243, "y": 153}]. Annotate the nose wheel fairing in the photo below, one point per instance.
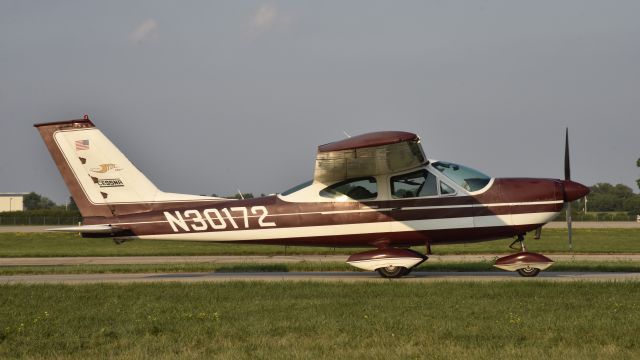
[{"x": 525, "y": 263}]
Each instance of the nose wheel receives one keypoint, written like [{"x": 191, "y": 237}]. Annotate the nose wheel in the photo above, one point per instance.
[
  {"x": 529, "y": 271},
  {"x": 393, "y": 271}
]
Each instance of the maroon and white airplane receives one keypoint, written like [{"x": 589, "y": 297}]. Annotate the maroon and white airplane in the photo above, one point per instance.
[{"x": 375, "y": 190}]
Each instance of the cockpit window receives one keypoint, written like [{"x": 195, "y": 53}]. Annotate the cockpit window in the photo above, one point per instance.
[
  {"x": 356, "y": 189},
  {"x": 470, "y": 179},
  {"x": 297, "y": 188},
  {"x": 415, "y": 184},
  {"x": 446, "y": 189}
]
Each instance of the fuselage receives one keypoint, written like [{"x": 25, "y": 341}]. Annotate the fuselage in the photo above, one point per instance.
[{"x": 504, "y": 207}]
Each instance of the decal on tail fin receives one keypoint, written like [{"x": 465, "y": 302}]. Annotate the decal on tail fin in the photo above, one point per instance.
[{"x": 102, "y": 181}]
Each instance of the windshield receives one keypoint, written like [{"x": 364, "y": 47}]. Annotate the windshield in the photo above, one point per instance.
[{"x": 470, "y": 179}]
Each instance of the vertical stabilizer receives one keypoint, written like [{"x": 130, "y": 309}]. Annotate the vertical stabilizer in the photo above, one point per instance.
[{"x": 102, "y": 181}]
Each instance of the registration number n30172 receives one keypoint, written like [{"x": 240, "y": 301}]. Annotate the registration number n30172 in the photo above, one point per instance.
[{"x": 217, "y": 219}]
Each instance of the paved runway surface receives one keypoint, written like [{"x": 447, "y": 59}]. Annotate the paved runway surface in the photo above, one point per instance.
[
  {"x": 313, "y": 276},
  {"x": 258, "y": 259}
]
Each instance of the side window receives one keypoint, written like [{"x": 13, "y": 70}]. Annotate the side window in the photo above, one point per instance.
[
  {"x": 415, "y": 184},
  {"x": 356, "y": 189},
  {"x": 446, "y": 189}
]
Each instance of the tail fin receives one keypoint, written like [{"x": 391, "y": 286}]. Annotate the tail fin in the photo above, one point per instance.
[{"x": 102, "y": 181}]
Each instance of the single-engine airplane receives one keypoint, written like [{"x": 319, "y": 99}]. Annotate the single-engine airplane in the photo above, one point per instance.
[{"x": 375, "y": 190}]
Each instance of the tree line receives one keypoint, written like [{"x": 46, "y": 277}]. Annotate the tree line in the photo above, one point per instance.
[
  {"x": 605, "y": 197},
  {"x": 34, "y": 201}
]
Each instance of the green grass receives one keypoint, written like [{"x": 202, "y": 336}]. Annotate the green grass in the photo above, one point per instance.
[
  {"x": 314, "y": 320},
  {"x": 53, "y": 244},
  {"x": 590, "y": 266}
]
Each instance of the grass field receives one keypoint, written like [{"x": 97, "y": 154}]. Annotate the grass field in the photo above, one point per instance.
[
  {"x": 598, "y": 266},
  {"x": 306, "y": 320},
  {"x": 52, "y": 244}
]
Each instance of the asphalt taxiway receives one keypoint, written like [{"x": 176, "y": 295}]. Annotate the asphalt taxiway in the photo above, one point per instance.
[
  {"x": 276, "y": 259},
  {"x": 315, "y": 276}
]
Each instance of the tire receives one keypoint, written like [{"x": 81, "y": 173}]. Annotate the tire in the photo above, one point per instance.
[
  {"x": 529, "y": 272},
  {"x": 393, "y": 271}
]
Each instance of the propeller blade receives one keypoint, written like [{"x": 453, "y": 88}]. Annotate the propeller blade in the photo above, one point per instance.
[
  {"x": 567, "y": 165},
  {"x": 567, "y": 176},
  {"x": 569, "y": 226}
]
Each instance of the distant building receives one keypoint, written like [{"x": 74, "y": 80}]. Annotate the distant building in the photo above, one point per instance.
[{"x": 12, "y": 201}]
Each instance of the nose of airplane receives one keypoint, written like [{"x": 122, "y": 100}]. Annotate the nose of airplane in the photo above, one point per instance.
[{"x": 573, "y": 190}]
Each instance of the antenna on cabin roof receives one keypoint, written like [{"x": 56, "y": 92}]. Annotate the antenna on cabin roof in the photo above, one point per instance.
[
  {"x": 346, "y": 133},
  {"x": 240, "y": 193}
]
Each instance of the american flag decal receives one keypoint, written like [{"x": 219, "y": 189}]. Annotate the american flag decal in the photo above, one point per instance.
[{"x": 82, "y": 144}]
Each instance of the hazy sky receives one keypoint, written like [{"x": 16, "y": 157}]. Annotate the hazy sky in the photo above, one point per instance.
[{"x": 207, "y": 97}]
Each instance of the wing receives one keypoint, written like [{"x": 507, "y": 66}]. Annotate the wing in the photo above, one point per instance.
[{"x": 369, "y": 154}]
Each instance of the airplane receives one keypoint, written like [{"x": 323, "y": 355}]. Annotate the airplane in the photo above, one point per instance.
[{"x": 377, "y": 190}]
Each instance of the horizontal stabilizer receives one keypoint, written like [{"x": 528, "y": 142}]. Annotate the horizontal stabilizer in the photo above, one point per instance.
[{"x": 89, "y": 229}]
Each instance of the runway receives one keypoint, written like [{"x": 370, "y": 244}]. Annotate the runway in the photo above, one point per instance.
[
  {"x": 315, "y": 276},
  {"x": 276, "y": 259}
]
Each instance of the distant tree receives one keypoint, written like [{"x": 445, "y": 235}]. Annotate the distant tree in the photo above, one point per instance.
[
  {"x": 72, "y": 205},
  {"x": 607, "y": 197},
  {"x": 33, "y": 201},
  {"x": 244, "y": 195},
  {"x": 632, "y": 205}
]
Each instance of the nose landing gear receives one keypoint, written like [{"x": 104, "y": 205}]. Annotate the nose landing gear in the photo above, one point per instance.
[
  {"x": 526, "y": 263},
  {"x": 519, "y": 239}
]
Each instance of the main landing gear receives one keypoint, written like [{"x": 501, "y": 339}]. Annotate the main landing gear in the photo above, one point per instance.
[
  {"x": 388, "y": 262},
  {"x": 526, "y": 263},
  {"x": 396, "y": 263}
]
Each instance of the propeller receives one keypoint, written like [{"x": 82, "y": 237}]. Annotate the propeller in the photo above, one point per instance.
[{"x": 567, "y": 176}]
